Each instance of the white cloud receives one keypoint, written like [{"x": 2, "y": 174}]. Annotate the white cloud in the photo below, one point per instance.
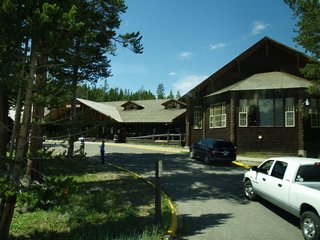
[
  {"x": 258, "y": 27},
  {"x": 172, "y": 73},
  {"x": 185, "y": 55},
  {"x": 188, "y": 82},
  {"x": 217, "y": 46}
]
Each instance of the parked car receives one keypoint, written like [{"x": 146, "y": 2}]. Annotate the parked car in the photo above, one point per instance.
[
  {"x": 213, "y": 150},
  {"x": 291, "y": 183}
]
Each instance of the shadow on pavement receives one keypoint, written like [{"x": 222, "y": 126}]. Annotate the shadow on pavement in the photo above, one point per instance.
[
  {"x": 186, "y": 179},
  {"x": 191, "y": 225}
]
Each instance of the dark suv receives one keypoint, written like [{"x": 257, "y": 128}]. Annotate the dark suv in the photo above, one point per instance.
[{"x": 210, "y": 150}]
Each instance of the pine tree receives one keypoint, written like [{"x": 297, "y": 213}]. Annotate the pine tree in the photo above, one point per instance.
[
  {"x": 307, "y": 13},
  {"x": 160, "y": 91}
]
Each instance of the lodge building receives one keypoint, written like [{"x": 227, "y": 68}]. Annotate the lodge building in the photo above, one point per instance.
[{"x": 259, "y": 101}]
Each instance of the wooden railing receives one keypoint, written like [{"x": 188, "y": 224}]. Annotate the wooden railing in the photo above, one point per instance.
[{"x": 168, "y": 138}]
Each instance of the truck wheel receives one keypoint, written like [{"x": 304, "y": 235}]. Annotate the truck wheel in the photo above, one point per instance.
[
  {"x": 310, "y": 226},
  {"x": 206, "y": 159},
  {"x": 248, "y": 190},
  {"x": 191, "y": 154}
]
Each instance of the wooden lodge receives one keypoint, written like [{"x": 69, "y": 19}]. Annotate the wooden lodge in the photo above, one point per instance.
[{"x": 259, "y": 101}]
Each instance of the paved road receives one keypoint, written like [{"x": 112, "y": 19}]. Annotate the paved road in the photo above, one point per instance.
[{"x": 209, "y": 199}]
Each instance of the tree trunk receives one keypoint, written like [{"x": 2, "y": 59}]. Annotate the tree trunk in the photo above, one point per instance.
[
  {"x": 8, "y": 210},
  {"x": 4, "y": 108},
  {"x": 34, "y": 166},
  {"x": 73, "y": 111},
  {"x": 6, "y": 217}
]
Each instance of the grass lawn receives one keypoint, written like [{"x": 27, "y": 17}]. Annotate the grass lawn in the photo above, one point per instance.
[{"x": 103, "y": 203}]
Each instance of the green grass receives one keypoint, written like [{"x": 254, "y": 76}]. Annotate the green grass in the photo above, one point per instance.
[{"x": 106, "y": 203}]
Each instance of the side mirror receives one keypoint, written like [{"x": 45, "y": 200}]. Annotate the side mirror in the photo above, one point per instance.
[{"x": 255, "y": 168}]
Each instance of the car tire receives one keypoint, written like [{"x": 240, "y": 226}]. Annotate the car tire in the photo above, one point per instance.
[
  {"x": 310, "y": 225},
  {"x": 206, "y": 159},
  {"x": 191, "y": 154},
  {"x": 249, "y": 191}
]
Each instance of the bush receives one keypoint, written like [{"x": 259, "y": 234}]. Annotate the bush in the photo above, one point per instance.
[{"x": 54, "y": 191}]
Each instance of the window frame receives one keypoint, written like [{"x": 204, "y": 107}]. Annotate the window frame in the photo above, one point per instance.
[
  {"x": 315, "y": 113},
  {"x": 218, "y": 120},
  {"x": 197, "y": 117},
  {"x": 289, "y": 110}
]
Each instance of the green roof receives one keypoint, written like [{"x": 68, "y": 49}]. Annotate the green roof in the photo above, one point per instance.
[
  {"x": 266, "y": 81},
  {"x": 153, "y": 111}
]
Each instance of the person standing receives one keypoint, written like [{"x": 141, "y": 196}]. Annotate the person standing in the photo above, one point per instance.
[
  {"x": 102, "y": 149},
  {"x": 81, "y": 139}
]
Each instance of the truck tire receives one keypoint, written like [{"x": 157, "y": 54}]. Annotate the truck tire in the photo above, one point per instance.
[
  {"x": 191, "y": 154},
  {"x": 310, "y": 225},
  {"x": 249, "y": 191},
  {"x": 206, "y": 159}
]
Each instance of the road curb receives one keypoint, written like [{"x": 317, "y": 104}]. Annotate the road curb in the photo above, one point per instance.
[
  {"x": 172, "y": 150},
  {"x": 246, "y": 166},
  {"x": 171, "y": 232}
]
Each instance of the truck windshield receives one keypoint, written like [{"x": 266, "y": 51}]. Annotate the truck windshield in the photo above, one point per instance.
[{"x": 308, "y": 173}]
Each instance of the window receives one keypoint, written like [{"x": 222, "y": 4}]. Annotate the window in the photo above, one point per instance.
[
  {"x": 266, "y": 113},
  {"x": 265, "y": 168},
  {"x": 315, "y": 113},
  {"x": 278, "y": 111},
  {"x": 243, "y": 116},
  {"x": 219, "y": 115},
  {"x": 279, "y": 169},
  {"x": 289, "y": 113},
  {"x": 271, "y": 112},
  {"x": 197, "y": 120},
  {"x": 253, "y": 110},
  {"x": 211, "y": 117},
  {"x": 131, "y": 107}
]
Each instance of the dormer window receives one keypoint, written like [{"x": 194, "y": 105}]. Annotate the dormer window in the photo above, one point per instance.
[
  {"x": 173, "y": 104},
  {"x": 128, "y": 106},
  {"x": 131, "y": 107}
]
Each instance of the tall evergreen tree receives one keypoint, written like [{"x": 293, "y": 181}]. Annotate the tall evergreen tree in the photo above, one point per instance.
[
  {"x": 160, "y": 91},
  {"x": 307, "y": 13}
]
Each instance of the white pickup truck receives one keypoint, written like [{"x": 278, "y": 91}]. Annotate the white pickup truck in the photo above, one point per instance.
[{"x": 291, "y": 183}]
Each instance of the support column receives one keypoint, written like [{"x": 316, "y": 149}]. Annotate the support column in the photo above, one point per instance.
[
  {"x": 301, "y": 146},
  {"x": 188, "y": 125},
  {"x": 233, "y": 118}
]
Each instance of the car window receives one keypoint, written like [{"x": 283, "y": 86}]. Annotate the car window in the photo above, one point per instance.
[
  {"x": 308, "y": 173},
  {"x": 209, "y": 143},
  {"x": 224, "y": 145},
  {"x": 279, "y": 169},
  {"x": 265, "y": 167}
]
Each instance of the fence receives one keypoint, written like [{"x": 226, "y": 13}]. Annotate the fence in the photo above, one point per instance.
[{"x": 170, "y": 139}]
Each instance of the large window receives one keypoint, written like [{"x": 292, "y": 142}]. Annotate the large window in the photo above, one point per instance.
[
  {"x": 266, "y": 112},
  {"x": 197, "y": 120},
  {"x": 315, "y": 113},
  {"x": 277, "y": 112},
  {"x": 218, "y": 116}
]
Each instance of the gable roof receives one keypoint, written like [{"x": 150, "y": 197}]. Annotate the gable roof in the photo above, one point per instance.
[
  {"x": 265, "y": 81},
  {"x": 264, "y": 42},
  {"x": 107, "y": 110}
]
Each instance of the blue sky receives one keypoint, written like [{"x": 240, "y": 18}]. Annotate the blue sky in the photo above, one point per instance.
[{"x": 185, "y": 41}]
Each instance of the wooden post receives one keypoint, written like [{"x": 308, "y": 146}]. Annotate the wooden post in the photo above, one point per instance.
[{"x": 158, "y": 212}]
